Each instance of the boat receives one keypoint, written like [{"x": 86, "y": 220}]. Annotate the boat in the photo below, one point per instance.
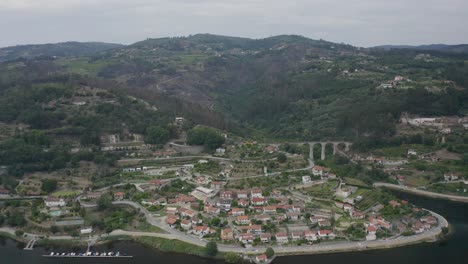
[{"x": 87, "y": 255}]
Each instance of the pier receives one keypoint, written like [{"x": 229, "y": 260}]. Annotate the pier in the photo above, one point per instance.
[{"x": 30, "y": 244}]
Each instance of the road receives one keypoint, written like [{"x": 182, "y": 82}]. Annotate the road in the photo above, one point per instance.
[
  {"x": 422, "y": 192},
  {"x": 283, "y": 250},
  {"x": 280, "y": 250}
]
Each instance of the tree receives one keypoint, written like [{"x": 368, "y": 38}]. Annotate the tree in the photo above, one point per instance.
[
  {"x": 269, "y": 252},
  {"x": 208, "y": 137},
  {"x": 156, "y": 135},
  {"x": 211, "y": 248},
  {"x": 54, "y": 229},
  {"x": 231, "y": 257},
  {"x": 282, "y": 158},
  {"x": 49, "y": 185},
  {"x": 104, "y": 202},
  {"x": 19, "y": 233}
]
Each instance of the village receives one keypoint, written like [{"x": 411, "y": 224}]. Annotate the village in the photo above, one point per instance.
[
  {"x": 246, "y": 196},
  {"x": 205, "y": 200}
]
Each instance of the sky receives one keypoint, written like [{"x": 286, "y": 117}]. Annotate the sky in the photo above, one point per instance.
[{"x": 358, "y": 22}]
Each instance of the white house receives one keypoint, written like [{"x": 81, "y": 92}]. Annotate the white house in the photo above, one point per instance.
[
  {"x": 86, "y": 230},
  {"x": 412, "y": 152},
  {"x": 317, "y": 170},
  {"x": 306, "y": 179},
  {"x": 310, "y": 235},
  {"x": 52, "y": 201},
  {"x": 281, "y": 238},
  {"x": 220, "y": 151},
  {"x": 186, "y": 224}
]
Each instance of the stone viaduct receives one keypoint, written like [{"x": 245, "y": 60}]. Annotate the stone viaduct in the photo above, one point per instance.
[{"x": 335, "y": 144}]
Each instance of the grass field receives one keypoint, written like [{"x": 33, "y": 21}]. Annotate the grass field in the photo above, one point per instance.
[
  {"x": 369, "y": 199},
  {"x": 355, "y": 182},
  {"x": 83, "y": 65},
  {"x": 325, "y": 190}
]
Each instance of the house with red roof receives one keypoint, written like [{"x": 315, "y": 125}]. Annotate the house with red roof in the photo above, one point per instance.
[
  {"x": 242, "y": 220},
  {"x": 281, "y": 237},
  {"x": 261, "y": 258},
  {"x": 186, "y": 224},
  {"x": 328, "y": 234},
  {"x": 246, "y": 238},
  {"x": 258, "y": 201},
  {"x": 237, "y": 211},
  {"x": 119, "y": 196},
  {"x": 310, "y": 235},
  {"x": 227, "y": 234},
  {"x": 265, "y": 238}
]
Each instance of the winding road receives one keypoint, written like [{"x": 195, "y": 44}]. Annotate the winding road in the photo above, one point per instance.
[{"x": 422, "y": 192}]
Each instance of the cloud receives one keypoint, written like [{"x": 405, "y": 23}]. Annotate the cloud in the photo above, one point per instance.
[{"x": 359, "y": 22}]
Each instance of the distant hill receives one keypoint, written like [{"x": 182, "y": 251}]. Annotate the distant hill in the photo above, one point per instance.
[
  {"x": 461, "y": 48},
  {"x": 65, "y": 49},
  {"x": 284, "y": 87}
]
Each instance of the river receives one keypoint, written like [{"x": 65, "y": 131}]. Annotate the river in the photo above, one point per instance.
[{"x": 453, "y": 250}]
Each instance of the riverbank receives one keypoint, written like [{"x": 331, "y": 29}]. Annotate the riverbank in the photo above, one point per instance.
[
  {"x": 188, "y": 245},
  {"x": 416, "y": 191}
]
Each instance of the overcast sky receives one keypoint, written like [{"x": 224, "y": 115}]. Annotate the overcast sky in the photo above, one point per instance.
[{"x": 358, "y": 22}]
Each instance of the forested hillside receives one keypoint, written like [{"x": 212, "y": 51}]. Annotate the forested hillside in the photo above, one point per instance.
[
  {"x": 66, "y": 49},
  {"x": 283, "y": 87}
]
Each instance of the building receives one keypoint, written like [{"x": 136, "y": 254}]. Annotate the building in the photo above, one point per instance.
[
  {"x": 92, "y": 195},
  {"x": 243, "y": 220},
  {"x": 261, "y": 258},
  {"x": 171, "y": 210},
  {"x": 243, "y": 203},
  {"x": 119, "y": 196},
  {"x": 293, "y": 216},
  {"x": 86, "y": 230},
  {"x": 412, "y": 152},
  {"x": 253, "y": 229},
  {"x": 4, "y": 191},
  {"x": 450, "y": 177},
  {"x": 310, "y": 235},
  {"x": 429, "y": 219},
  {"x": 201, "y": 230},
  {"x": 371, "y": 229},
  {"x": 271, "y": 209},
  {"x": 265, "y": 238},
  {"x": 171, "y": 221},
  {"x": 224, "y": 204},
  {"x": 52, "y": 201},
  {"x": 328, "y": 234},
  {"x": 220, "y": 151},
  {"x": 246, "y": 238},
  {"x": 187, "y": 213},
  {"x": 224, "y": 194},
  {"x": 203, "y": 191},
  {"x": 242, "y": 194},
  {"x": 281, "y": 238},
  {"x": 297, "y": 235},
  {"x": 318, "y": 170},
  {"x": 227, "y": 234},
  {"x": 237, "y": 211},
  {"x": 256, "y": 193},
  {"x": 306, "y": 179},
  {"x": 186, "y": 224},
  {"x": 216, "y": 185},
  {"x": 211, "y": 210},
  {"x": 258, "y": 201}
]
